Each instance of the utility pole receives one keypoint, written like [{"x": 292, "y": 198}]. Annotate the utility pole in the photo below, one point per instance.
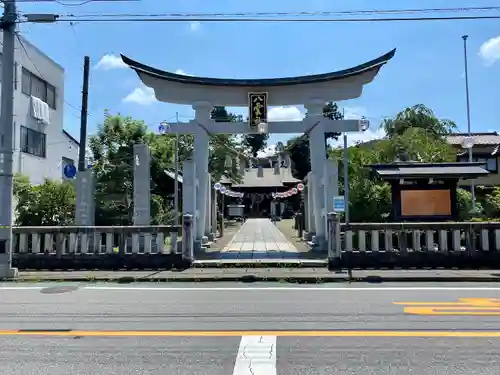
[
  {"x": 472, "y": 182},
  {"x": 176, "y": 186},
  {"x": 8, "y": 26},
  {"x": 84, "y": 115},
  {"x": 346, "y": 175}
]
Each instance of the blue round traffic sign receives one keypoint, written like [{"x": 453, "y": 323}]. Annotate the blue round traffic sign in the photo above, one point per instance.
[
  {"x": 217, "y": 186},
  {"x": 69, "y": 171}
]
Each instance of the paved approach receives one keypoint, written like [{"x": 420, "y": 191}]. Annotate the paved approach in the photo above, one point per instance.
[
  {"x": 241, "y": 329},
  {"x": 259, "y": 239}
]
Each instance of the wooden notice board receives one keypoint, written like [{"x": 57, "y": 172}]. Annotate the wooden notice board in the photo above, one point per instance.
[{"x": 436, "y": 202}]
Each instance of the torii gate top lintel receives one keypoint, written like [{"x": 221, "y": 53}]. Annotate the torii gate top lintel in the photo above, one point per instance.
[{"x": 183, "y": 89}]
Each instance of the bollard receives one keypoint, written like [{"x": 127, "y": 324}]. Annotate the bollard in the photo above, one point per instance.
[
  {"x": 300, "y": 224},
  {"x": 334, "y": 244},
  {"x": 187, "y": 238},
  {"x": 331, "y": 234}
]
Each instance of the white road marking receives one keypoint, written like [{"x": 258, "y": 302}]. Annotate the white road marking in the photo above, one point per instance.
[
  {"x": 253, "y": 289},
  {"x": 280, "y": 289},
  {"x": 256, "y": 356}
]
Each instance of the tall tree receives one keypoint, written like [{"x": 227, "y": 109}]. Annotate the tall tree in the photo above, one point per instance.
[
  {"x": 418, "y": 116},
  {"x": 331, "y": 111},
  {"x": 299, "y": 147},
  {"x": 222, "y": 146},
  {"x": 255, "y": 142}
]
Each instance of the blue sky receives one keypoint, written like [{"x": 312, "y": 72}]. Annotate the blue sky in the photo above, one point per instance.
[{"x": 428, "y": 66}]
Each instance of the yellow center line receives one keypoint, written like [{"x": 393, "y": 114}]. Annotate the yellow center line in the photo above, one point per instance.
[
  {"x": 465, "y": 306},
  {"x": 333, "y": 333}
]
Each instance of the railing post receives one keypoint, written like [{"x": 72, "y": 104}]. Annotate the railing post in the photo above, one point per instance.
[
  {"x": 333, "y": 236},
  {"x": 187, "y": 238},
  {"x": 300, "y": 224}
]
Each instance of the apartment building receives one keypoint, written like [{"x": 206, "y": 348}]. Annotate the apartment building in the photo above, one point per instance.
[
  {"x": 486, "y": 150},
  {"x": 42, "y": 147}
]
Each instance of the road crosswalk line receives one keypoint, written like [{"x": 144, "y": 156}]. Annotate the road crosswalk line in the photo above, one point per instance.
[{"x": 256, "y": 356}]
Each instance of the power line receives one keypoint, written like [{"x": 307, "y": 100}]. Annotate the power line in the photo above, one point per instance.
[
  {"x": 277, "y": 20},
  {"x": 289, "y": 14}
]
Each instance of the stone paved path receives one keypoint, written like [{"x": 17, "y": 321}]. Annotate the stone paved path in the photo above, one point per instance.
[{"x": 259, "y": 239}]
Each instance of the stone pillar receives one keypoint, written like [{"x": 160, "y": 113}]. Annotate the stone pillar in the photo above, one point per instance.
[
  {"x": 318, "y": 160},
  {"x": 214, "y": 213},
  {"x": 310, "y": 204},
  {"x": 200, "y": 156},
  {"x": 331, "y": 186},
  {"x": 189, "y": 191},
  {"x": 306, "y": 208},
  {"x": 142, "y": 185},
  {"x": 85, "y": 199},
  {"x": 208, "y": 213}
]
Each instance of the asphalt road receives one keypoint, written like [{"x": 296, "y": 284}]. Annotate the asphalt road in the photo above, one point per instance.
[{"x": 254, "y": 329}]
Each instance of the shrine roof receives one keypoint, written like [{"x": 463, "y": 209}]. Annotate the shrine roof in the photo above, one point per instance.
[
  {"x": 396, "y": 171},
  {"x": 269, "y": 178},
  {"x": 269, "y": 82}
]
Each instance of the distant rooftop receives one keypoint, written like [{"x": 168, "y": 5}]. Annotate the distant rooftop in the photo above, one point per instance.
[
  {"x": 269, "y": 179},
  {"x": 480, "y": 139}
]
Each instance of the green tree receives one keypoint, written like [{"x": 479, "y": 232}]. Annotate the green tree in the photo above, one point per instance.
[
  {"x": 222, "y": 146},
  {"x": 298, "y": 147},
  {"x": 370, "y": 200},
  {"x": 51, "y": 203},
  {"x": 417, "y": 116},
  {"x": 255, "y": 142},
  {"x": 331, "y": 111},
  {"x": 112, "y": 152}
]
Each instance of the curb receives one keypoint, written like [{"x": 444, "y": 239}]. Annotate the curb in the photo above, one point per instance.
[{"x": 258, "y": 278}]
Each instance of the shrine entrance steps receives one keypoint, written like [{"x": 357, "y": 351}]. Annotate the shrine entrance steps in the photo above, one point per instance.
[
  {"x": 259, "y": 239},
  {"x": 259, "y": 243}
]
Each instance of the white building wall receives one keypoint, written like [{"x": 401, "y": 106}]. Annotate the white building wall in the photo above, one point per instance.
[{"x": 58, "y": 144}]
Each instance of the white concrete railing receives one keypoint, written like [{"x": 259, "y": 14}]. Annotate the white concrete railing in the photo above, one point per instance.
[
  {"x": 401, "y": 237},
  {"x": 412, "y": 244},
  {"x": 93, "y": 240}
]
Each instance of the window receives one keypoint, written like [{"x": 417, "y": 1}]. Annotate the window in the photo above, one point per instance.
[
  {"x": 33, "y": 142},
  {"x": 35, "y": 86},
  {"x": 490, "y": 161}
]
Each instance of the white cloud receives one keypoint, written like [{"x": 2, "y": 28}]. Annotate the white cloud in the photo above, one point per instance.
[
  {"x": 285, "y": 114},
  {"x": 182, "y": 72},
  {"x": 359, "y": 137},
  {"x": 141, "y": 95},
  {"x": 194, "y": 26},
  {"x": 490, "y": 50},
  {"x": 268, "y": 151},
  {"x": 354, "y": 113},
  {"x": 110, "y": 61}
]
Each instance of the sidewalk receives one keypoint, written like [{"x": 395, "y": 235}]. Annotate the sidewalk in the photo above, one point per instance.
[{"x": 289, "y": 275}]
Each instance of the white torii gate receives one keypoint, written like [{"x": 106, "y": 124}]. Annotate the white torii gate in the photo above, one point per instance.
[{"x": 313, "y": 91}]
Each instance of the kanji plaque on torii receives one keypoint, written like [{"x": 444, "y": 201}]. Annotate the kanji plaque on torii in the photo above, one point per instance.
[{"x": 257, "y": 109}]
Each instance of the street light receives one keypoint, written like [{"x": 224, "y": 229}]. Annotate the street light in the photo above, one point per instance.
[
  {"x": 262, "y": 127},
  {"x": 364, "y": 124},
  {"x": 469, "y": 141}
]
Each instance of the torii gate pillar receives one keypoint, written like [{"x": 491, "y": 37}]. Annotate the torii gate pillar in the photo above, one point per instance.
[
  {"x": 318, "y": 160},
  {"x": 200, "y": 156}
]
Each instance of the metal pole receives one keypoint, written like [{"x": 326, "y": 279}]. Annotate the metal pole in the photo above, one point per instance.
[
  {"x": 8, "y": 25},
  {"x": 84, "y": 114},
  {"x": 176, "y": 181},
  {"x": 472, "y": 182},
  {"x": 346, "y": 179},
  {"x": 176, "y": 187}
]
